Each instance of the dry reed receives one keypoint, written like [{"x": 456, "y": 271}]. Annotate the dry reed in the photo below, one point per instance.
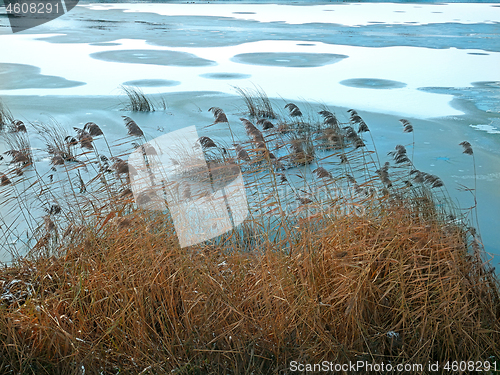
[
  {"x": 219, "y": 115},
  {"x": 132, "y": 127},
  {"x": 6, "y": 117},
  {"x": 355, "y": 264},
  {"x": 257, "y": 102},
  {"x": 138, "y": 101},
  {"x": 127, "y": 298}
]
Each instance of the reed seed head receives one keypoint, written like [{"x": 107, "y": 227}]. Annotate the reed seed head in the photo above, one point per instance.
[
  {"x": 407, "y": 126},
  {"x": 71, "y": 141},
  {"x": 18, "y": 156},
  {"x": 120, "y": 166},
  {"x": 293, "y": 109},
  {"x": 358, "y": 142},
  {"x": 266, "y": 124},
  {"x": 241, "y": 153},
  {"x": 363, "y": 127},
  {"x": 54, "y": 209},
  {"x": 84, "y": 138},
  {"x": 329, "y": 118},
  {"x": 86, "y": 141},
  {"x": 467, "y": 148},
  {"x": 350, "y": 133},
  {"x": 322, "y": 173},
  {"x": 399, "y": 155},
  {"x": 18, "y": 126},
  {"x": 219, "y": 115},
  {"x": 4, "y": 180},
  {"x": 93, "y": 129},
  {"x": 133, "y": 128},
  {"x": 418, "y": 176},
  {"x": 206, "y": 142}
]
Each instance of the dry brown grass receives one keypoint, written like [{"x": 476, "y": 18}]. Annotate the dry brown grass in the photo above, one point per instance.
[
  {"x": 338, "y": 261},
  {"x": 124, "y": 296}
]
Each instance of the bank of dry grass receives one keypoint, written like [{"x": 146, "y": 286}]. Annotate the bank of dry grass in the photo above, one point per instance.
[
  {"x": 394, "y": 287},
  {"x": 382, "y": 273}
]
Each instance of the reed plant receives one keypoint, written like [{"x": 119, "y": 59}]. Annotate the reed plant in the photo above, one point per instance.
[
  {"x": 341, "y": 258},
  {"x": 257, "y": 102},
  {"x": 6, "y": 117},
  {"x": 139, "y": 102}
]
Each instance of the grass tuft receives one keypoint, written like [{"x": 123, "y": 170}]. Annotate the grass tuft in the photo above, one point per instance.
[
  {"x": 138, "y": 101},
  {"x": 257, "y": 102},
  {"x": 6, "y": 117}
]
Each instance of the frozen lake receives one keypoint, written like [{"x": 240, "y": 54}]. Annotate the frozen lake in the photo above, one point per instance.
[{"x": 434, "y": 64}]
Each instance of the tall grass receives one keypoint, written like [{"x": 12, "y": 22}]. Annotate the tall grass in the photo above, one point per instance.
[
  {"x": 139, "y": 102},
  {"x": 257, "y": 102},
  {"x": 340, "y": 259},
  {"x": 6, "y": 117}
]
